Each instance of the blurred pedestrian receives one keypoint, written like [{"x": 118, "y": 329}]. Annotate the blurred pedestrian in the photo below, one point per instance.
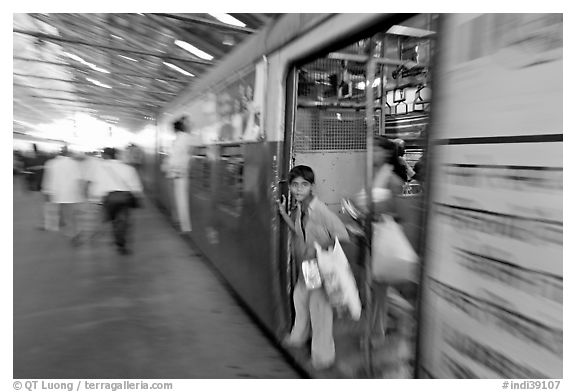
[
  {"x": 34, "y": 168},
  {"x": 62, "y": 186},
  {"x": 134, "y": 156},
  {"x": 93, "y": 213},
  {"x": 17, "y": 170},
  {"x": 118, "y": 186},
  {"x": 176, "y": 166}
]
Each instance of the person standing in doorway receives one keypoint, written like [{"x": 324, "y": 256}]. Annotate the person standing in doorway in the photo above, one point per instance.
[
  {"x": 176, "y": 166},
  {"x": 312, "y": 222}
]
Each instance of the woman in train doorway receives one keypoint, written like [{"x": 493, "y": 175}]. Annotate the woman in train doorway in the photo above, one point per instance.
[
  {"x": 389, "y": 174},
  {"x": 176, "y": 167},
  {"x": 311, "y": 222}
]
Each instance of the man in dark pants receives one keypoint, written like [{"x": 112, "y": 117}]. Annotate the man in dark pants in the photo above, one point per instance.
[{"x": 117, "y": 183}]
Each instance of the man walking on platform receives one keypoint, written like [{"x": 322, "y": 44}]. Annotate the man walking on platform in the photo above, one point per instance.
[
  {"x": 120, "y": 188},
  {"x": 62, "y": 185}
]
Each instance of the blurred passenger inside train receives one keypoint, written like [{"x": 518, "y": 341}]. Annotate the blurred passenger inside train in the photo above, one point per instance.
[
  {"x": 401, "y": 147},
  {"x": 419, "y": 170},
  {"x": 311, "y": 222},
  {"x": 176, "y": 166},
  {"x": 118, "y": 186},
  {"x": 387, "y": 189},
  {"x": 389, "y": 173},
  {"x": 62, "y": 186},
  {"x": 388, "y": 179}
]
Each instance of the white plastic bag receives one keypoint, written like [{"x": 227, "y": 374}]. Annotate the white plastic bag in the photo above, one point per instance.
[
  {"x": 338, "y": 279},
  {"x": 393, "y": 258}
]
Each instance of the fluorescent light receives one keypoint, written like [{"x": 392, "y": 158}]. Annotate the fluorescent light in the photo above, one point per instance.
[
  {"x": 81, "y": 60},
  {"x": 176, "y": 68},
  {"x": 74, "y": 57},
  {"x": 97, "y": 83},
  {"x": 194, "y": 50},
  {"x": 228, "y": 19},
  {"x": 409, "y": 31},
  {"x": 128, "y": 58},
  {"x": 97, "y": 68}
]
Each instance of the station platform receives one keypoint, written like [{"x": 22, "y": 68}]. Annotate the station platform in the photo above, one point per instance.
[{"x": 87, "y": 312}]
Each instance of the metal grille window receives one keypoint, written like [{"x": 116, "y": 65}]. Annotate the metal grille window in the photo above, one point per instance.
[
  {"x": 331, "y": 79},
  {"x": 331, "y": 129}
]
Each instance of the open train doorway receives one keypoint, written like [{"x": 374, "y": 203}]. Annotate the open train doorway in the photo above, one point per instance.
[{"x": 327, "y": 130}]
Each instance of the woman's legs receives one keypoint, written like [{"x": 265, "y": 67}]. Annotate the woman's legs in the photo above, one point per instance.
[{"x": 379, "y": 317}]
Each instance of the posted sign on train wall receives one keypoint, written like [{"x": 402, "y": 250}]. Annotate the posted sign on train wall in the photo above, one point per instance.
[
  {"x": 492, "y": 302},
  {"x": 231, "y": 112}
]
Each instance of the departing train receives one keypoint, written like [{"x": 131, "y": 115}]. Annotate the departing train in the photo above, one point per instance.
[{"x": 477, "y": 97}]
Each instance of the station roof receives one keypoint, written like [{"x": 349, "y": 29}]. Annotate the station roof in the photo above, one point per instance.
[{"x": 120, "y": 68}]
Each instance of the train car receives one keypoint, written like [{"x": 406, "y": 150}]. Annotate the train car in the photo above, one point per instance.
[{"x": 301, "y": 92}]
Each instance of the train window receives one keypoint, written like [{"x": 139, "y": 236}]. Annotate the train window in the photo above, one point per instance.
[{"x": 331, "y": 129}]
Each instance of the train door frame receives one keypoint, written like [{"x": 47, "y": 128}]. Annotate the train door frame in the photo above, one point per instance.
[
  {"x": 289, "y": 273},
  {"x": 288, "y": 160}
]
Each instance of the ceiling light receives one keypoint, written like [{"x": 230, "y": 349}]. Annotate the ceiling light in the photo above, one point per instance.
[
  {"x": 228, "y": 40},
  {"x": 409, "y": 31},
  {"x": 117, "y": 37},
  {"x": 97, "y": 83},
  {"x": 176, "y": 68},
  {"x": 194, "y": 50},
  {"x": 81, "y": 60},
  {"x": 128, "y": 58},
  {"x": 97, "y": 68},
  {"x": 228, "y": 19}
]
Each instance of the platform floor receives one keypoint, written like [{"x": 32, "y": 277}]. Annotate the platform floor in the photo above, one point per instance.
[{"x": 87, "y": 312}]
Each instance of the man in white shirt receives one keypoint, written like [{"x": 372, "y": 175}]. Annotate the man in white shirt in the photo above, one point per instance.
[
  {"x": 116, "y": 184},
  {"x": 62, "y": 185},
  {"x": 176, "y": 166}
]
